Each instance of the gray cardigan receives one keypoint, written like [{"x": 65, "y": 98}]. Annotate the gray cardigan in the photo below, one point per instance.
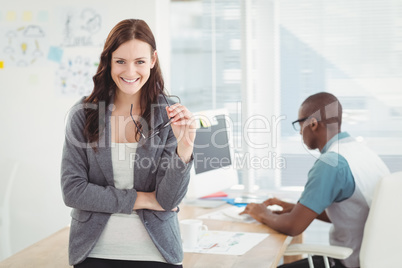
[{"x": 88, "y": 186}]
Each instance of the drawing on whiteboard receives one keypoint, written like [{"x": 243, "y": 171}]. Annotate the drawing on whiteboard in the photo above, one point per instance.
[
  {"x": 24, "y": 45},
  {"x": 33, "y": 31},
  {"x": 80, "y": 27},
  {"x": 74, "y": 75}
]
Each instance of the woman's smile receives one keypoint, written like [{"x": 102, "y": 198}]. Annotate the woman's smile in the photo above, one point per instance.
[
  {"x": 131, "y": 66},
  {"x": 130, "y": 81}
]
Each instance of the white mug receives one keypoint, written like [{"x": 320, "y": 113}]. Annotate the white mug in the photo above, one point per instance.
[{"x": 191, "y": 232}]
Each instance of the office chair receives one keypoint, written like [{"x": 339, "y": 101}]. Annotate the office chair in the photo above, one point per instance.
[{"x": 382, "y": 234}]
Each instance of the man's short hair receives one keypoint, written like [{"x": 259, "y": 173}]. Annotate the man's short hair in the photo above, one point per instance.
[{"x": 325, "y": 107}]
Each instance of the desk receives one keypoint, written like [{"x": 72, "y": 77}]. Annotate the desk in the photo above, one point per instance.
[
  {"x": 52, "y": 251},
  {"x": 265, "y": 254}
]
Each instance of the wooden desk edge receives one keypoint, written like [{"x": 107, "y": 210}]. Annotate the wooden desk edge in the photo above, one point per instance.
[
  {"x": 38, "y": 253},
  {"x": 288, "y": 240}
]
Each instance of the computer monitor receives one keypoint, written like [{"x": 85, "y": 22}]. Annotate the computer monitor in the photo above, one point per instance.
[{"x": 213, "y": 168}]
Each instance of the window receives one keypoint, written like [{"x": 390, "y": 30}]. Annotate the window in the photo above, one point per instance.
[
  {"x": 206, "y": 58},
  {"x": 353, "y": 50},
  {"x": 263, "y": 58}
]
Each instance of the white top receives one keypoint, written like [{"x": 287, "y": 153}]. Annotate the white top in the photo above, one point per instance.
[
  {"x": 349, "y": 216},
  {"x": 125, "y": 237}
]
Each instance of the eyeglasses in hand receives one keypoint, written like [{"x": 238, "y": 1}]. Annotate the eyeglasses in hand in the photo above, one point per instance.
[{"x": 153, "y": 132}]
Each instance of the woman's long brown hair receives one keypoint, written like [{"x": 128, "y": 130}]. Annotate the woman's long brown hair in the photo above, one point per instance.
[{"x": 104, "y": 86}]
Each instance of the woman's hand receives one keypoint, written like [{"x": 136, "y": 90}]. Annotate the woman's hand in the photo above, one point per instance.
[
  {"x": 147, "y": 200},
  {"x": 184, "y": 128}
]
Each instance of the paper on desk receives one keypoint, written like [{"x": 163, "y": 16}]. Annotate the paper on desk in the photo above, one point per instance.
[
  {"x": 228, "y": 214},
  {"x": 227, "y": 243}
]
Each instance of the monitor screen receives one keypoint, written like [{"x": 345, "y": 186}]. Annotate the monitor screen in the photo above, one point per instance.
[{"x": 211, "y": 147}]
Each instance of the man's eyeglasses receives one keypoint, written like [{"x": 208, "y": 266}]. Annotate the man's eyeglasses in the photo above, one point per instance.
[
  {"x": 296, "y": 124},
  {"x": 153, "y": 132}
]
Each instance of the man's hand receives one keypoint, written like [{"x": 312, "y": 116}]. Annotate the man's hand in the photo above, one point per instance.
[
  {"x": 260, "y": 211},
  {"x": 292, "y": 220},
  {"x": 257, "y": 211},
  {"x": 286, "y": 207}
]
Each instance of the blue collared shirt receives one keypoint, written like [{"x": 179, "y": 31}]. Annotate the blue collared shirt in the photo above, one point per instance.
[{"x": 329, "y": 180}]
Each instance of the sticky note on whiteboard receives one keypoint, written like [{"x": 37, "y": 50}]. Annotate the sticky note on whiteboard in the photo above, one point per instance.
[
  {"x": 43, "y": 16},
  {"x": 11, "y": 16},
  {"x": 1, "y": 64},
  {"x": 55, "y": 54},
  {"x": 27, "y": 16}
]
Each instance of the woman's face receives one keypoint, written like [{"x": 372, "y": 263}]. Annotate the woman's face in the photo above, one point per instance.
[{"x": 131, "y": 66}]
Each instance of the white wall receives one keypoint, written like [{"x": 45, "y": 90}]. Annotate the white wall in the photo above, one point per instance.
[{"x": 33, "y": 113}]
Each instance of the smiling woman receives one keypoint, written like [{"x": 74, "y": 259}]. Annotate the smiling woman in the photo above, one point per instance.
[
  {"x": 124, "y": 186},
  {"x": 131, "y": 65},
  {"x": 130, "y": 44}
]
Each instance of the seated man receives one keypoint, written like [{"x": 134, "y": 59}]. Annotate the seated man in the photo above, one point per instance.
[{"x": 340, "y": 185}]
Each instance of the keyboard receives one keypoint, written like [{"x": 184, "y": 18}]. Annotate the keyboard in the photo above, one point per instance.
[{"x": 233, "y": 213}]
